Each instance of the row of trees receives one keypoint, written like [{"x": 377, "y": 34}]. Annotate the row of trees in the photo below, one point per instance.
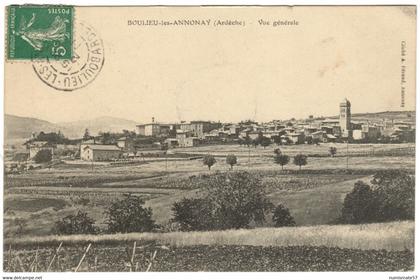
[
  {"x": 261, "y": 140},
  {"x": 279, "y": 158},
  {"x": 52, "y": 138}
]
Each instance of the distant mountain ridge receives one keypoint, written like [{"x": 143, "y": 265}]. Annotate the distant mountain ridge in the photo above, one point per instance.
[
  {"x": 21, "y": 127},
  {"x": 16, "y": 127},
  {"x": 96, "y": 125},
  {"x": 389, "y": 115}
]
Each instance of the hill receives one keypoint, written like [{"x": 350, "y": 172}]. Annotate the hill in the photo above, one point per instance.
[
  {"x": 22, "y": 127},
  {"x": 409, "y": 116},
  {"x": 105, "y": 124}
]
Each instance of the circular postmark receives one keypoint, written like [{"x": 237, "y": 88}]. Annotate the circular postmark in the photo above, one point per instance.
[{"x": 82, "y": 69}]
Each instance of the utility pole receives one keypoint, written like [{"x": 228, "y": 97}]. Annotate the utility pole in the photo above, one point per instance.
[
  {"x": 166, "y": 148},
  {"x": 249, "y": 157},
  {"x": 347, "y": 156},
  {"x": 166, "y": 161}
]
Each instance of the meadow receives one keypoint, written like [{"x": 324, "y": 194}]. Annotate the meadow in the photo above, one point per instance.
[
  {"x": 34, "y": 200},
  {"x": 314, "y": 194}
]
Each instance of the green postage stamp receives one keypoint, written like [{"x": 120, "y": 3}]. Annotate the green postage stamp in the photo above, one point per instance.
[{"x": 39, "y": 32}]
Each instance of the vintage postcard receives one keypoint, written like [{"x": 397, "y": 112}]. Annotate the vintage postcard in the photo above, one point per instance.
[{"x": 209, "y": 138}]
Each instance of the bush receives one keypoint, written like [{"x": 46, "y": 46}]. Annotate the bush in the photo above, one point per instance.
[
  {"x": 129, "y": 215},
  {"x": 395, "y": 191},
  {"x": 80, "y": 223},
  {"x": 391, "y": 197},
  {"x": 282, "y": 217},
  {"x": 209, "y": 160},
  {"x": 332, "y": 151},
  {"x": 193, "y": 214},
  {"x": 232, "y": 200},
  {"x": 43, "y": 156},
  {"x": 360, "y": 206},
  {"x": 238, "y": 199}
]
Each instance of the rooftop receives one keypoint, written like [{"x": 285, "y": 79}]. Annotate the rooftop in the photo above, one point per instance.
[{"x": 103, "y": 147}]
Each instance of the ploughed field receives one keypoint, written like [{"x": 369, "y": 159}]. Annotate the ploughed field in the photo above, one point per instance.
[{"x": 213, "y": 258}]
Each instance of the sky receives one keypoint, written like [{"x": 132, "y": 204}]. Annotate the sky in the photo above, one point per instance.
[{"x": 232, "y": 73}]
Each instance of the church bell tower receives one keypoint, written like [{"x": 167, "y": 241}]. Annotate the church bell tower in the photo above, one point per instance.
[{"x": 345, "y": 119}]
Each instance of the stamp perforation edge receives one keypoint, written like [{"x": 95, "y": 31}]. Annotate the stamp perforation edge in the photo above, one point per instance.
[{"x": 6, "y": 34}]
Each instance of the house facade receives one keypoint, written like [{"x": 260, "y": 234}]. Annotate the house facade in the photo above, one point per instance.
[
  {"x": 37, "y": 146},
  {"x": 96, "y": 152}
]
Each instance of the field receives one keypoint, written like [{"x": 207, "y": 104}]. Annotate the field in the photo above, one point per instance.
[
  {"x": 374, "y": 247},
  {"x": 56, "y": 192},
  {"x": 34, "y": 200}
]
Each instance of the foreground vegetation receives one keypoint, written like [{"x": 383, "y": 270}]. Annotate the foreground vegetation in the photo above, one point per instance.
[
  {"x": 150, "y": 257},
  {"x": 372, "y": 247},
  {"x": 393, "y": 236}
]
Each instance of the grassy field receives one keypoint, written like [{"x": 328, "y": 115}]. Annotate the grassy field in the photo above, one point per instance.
[
  {"x": 313, "y": 195},
  {"x": 321, "y": 150},
  {"x": 393, "y": 236},
  {"x": 372, "y": 247},
  {"x": 35, "y": 200}
]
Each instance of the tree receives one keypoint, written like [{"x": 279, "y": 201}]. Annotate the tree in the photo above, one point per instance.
[
  {"x": 80, "y": 223},
  {"x": 209, "y": 160},
  {"x": 395, "y": 193},
  {"x": 237, "y": 199},
  {"x": 300, "y": 160},
  {"x": 247, "y": 141},
  {"x": 228, "y": 200},
  {"x": 282, "y": 217},
  {"x": 277, "y": 140},
  {"x": 390, "y": 198},
  {"x": 86, "y": 135},
  {"x": 107, "y": 138},
  {"x": 265, "y": 141},
  {"x": 359, "y": 205},
  {"x": 129, "y": 215},
  {"x": 255, "y": 142},
  {"x": 43, "y": 156},
  {"x": 277, "y": 151},
  {"x": 231, "y": 160},
  {"x": 281, "y": 159},
  {"x": 332, "y": 151},
  {"x": 193, "y": 214}
]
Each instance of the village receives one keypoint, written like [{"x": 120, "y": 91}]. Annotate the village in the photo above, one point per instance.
[{"x": 155, "y": 138}]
